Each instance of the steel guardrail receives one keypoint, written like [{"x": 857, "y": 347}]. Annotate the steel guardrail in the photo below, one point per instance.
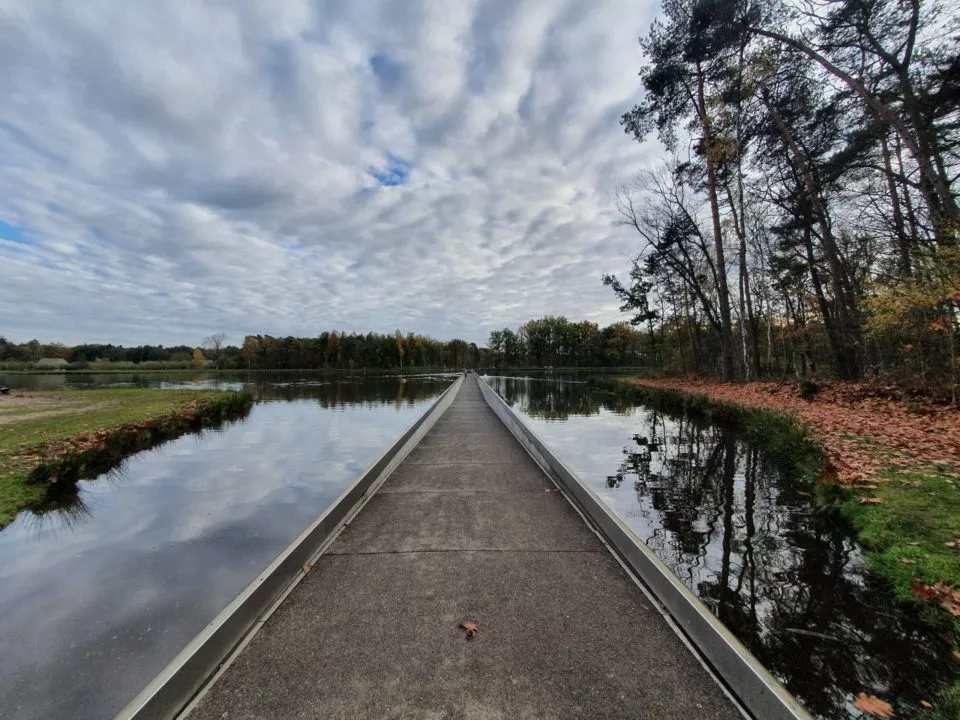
[
  {"x": 184, "y": 676},
  {"x": 747, "y": 679}
]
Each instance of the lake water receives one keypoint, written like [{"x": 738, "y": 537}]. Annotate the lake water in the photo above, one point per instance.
[
  {"x": 96, "y": 597},
  {"x": 748, "y": 540}
]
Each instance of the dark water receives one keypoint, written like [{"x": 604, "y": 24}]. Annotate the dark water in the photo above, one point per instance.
[
  {"x": 96, "y": 598},
  {"x": 742, "y": 534}
]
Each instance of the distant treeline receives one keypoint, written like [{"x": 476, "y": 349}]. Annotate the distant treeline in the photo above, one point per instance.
[
  {"x": 544, "y": 342},
  {"x": 558, "y": 342},
  {"x": 329, "y": 350}
]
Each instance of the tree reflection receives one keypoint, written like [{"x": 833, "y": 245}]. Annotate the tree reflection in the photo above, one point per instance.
[
  {"x": 547, "y": 399},
  {"x": 787, "y": 579},
  {"x": 341, "y": 393}
]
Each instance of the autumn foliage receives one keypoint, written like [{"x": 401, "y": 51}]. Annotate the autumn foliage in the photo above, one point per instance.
[{"x": 847, "y": 420}]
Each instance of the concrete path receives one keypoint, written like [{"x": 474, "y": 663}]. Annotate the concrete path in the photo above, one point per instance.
[{"x": 468, "y": 528}]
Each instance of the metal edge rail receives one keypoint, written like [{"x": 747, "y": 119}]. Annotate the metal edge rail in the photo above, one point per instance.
[
  {"x": 184, "y": 676},
  {"x": 749, "y": 681}
]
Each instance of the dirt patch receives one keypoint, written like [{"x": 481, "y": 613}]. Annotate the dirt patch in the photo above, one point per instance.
[
  {"x": 27, "y": 406},
  {"x": 846, "y": 418},
  {"x": 22, "y": 416},
  {"x": 17, "y": 400}
]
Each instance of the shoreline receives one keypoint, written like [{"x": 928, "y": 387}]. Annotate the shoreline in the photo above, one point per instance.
[
  {"x": 866, "y": 459},
  {"x": 56, "y": 439}
]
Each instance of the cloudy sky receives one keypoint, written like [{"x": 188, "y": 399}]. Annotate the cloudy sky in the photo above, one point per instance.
[{"x": 171, "y": 169}]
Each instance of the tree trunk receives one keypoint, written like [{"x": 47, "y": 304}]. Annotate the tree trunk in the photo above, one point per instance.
[
  {"x": 903, "y": 241},
  {"x": 723, "y": 293},
  {"x": 847, "y": 332}
]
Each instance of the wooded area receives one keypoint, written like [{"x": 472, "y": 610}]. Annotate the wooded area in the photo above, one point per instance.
[
  {"x": 329, "y": 350},
  {"x": 803, "y": 219},
  {"x": 558, "y": 342},
  {"x": 547, "y": 341}
]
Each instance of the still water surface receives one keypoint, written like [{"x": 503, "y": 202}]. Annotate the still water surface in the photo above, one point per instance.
[
  {"x": 96, "y": 598},
  {"x": 735, "y": 527}
]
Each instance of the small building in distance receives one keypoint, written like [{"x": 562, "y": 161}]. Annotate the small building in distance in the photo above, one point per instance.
[{"x": 51, "y": 363}]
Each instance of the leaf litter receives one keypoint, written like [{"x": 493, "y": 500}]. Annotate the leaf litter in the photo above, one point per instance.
[{"x": 471, "y": 628}]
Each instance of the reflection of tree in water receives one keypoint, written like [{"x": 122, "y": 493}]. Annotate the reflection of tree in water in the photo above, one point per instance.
[
  {"x": 546, "y": 398},
  {"x": 785, "y": 578},
  {"x": 341, "y": 393}
]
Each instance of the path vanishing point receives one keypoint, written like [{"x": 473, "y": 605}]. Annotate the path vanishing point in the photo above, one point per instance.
[{"x": 468, "y": 528}]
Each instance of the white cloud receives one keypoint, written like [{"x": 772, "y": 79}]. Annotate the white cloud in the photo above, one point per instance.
[{"x": 172, "y": 169}]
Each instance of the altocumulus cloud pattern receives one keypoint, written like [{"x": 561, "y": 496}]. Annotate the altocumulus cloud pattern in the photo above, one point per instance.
[{"x": 170, "y": 168}]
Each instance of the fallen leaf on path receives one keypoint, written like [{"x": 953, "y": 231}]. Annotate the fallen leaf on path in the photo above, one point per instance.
[
  {"x": 873, "y": 705},
  {"x": 871, "y": 501},
  {"x": 471, "y": 629},
  {"x": 307, "y": 568}
]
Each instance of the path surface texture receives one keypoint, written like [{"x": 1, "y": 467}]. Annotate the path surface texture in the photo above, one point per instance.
[{"x": 468, "y": 528}]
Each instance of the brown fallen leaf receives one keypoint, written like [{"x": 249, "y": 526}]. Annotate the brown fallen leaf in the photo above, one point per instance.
[
  {"x": 871, "y": 501},
  {"x": 946, "y": 596},
  {"x": 908, "y": 561},
  {"x": 471, "y": 628},
  {"x": 873, "y": 705},
  {"x": 956, "y": 656},
  {"x": 307, "y": 568},
  {"x": 925, "y": 705}
]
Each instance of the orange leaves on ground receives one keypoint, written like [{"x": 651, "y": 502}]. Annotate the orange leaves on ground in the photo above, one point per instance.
[
  {"x": 945, "y": 596},
  {"x": 471, "y": 628},
  {"x": 873, "y": 705},
  {"x": 871, "y": 501},
  {"x": 844, "y": 415}
]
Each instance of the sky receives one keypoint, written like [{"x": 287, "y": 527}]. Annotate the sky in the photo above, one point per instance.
[{"x": 172, "y": 169}]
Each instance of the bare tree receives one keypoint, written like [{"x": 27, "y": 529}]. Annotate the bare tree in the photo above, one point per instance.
[{"x": 214, "y": 344}]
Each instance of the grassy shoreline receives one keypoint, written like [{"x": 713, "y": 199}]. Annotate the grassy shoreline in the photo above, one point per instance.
[
  {"x": 51, "y": 440},
  {"x": 905, "y": 514}
]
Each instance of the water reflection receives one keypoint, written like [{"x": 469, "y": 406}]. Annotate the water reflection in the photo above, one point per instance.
[
  {"x": 96, "y": 597},
  {"x": 729, "y": 521}
]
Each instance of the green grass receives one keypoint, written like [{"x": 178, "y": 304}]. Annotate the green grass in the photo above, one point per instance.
[
  {"x": 919, "y": 516},
  {"x": 72, "y": 434}
]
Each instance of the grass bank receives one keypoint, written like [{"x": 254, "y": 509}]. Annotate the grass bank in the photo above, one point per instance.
[
  {"x": 50, "y": 440},
  {"x": 780, "y": 436},
  {"x": 886, "y": 468}
]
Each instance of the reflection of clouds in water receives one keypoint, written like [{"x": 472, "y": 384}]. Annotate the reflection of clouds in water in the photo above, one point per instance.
[{"x": 95, "y": 608}]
